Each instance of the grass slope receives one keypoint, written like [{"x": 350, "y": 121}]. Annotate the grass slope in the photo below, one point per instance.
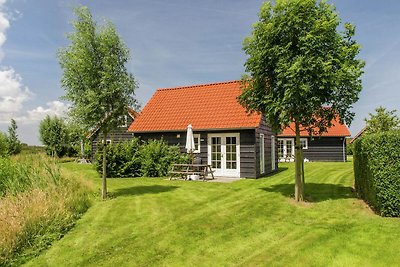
[{"x": 155, "y": 222}]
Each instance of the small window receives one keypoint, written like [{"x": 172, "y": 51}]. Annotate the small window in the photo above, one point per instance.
[
  {"x": 304, "y": 143},
  {"x": 124, "y": 121},
  {"x": 108, "y": 141},
  {"x": 196, "y": 138}
]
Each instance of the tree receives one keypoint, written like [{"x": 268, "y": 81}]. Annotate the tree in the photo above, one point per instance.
[
  {"x": 383, "y": 121},
  {"x": 301, "y": 69},
  {"x": 14, "y": 145},
  {"x": 3, "y": 144},
  {"x": 53, "y": 134},
  {"x": 95, "y": 77}
]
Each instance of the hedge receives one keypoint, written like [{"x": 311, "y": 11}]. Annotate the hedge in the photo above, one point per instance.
[
  {"x": 135, "y": 158},
  {"x": 377, "y": 171}
]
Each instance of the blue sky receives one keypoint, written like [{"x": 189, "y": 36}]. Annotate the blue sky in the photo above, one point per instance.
[{"x": 173, "y": 43}]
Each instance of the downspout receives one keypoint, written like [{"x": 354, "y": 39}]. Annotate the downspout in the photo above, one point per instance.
[{"x": 344, "y": 149}]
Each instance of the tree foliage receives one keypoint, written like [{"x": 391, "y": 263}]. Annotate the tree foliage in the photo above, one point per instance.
[
  {"x": 95, "y": 77},
  {"x": 53, "y": 134},
  {"x": 14, "y": 144},
  {"x": 382, "y": 121},
  {"x": 301, "y": 68},
  {"x": 3, "y": 144}
]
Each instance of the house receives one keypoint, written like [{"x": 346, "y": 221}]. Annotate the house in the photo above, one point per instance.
[
  {"x": 358, "y": 135},
  {"x": 233, "y": 142},
  {"x": 117, "y": 135},
  {"x": 330, "y": 146}
]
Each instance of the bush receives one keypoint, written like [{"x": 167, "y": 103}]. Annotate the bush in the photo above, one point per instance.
[
  {"x": 3, "y": 145},
  {"x": 377, "y": 171},
  {"x": 123, "y": 159},
  {"x": 38, "y": 204},
  {"x": 350, "y": 149},
  {"x": 157, "y": 157},
  {"x": 133, "y": 159}
]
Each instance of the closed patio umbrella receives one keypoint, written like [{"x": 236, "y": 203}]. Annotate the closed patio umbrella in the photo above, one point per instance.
[{"x": 190, "y": 141}]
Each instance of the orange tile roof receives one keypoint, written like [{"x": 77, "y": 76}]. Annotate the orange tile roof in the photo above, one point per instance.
[
  {"x": 206, "y": 106},
  {"x": 337, "y": 129}
]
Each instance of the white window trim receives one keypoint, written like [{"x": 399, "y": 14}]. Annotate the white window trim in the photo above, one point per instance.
[
  {"x": 125, "y": 121},
  {"x": 286, "y": 157},
  {"x": 262, "y": 153},
  {"x": 108, "y": 141},
  {"x": 304, "y": 139},
  {"x": 198, "y": 143}
]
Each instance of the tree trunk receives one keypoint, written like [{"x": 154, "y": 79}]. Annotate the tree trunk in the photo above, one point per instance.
[
  {"x": 299, "y": 161},
  {"x": 104, "y": 177}
]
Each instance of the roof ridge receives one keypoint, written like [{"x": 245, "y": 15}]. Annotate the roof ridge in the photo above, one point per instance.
[{"x": 198, "y": 85}]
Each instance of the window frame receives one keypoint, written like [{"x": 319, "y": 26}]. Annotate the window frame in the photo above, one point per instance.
[
  {"x": 262, "y": 153},
  {"x": 306, "y": 143},
  {"x": 125, "y": 121},
  {"x": 198, "y": 145}
]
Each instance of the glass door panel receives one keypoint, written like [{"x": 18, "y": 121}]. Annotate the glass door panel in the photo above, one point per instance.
[
  {"x": 230, "y": 153},
  {"x": 216, "y": 152},
  {"x": 289, "y": 147}
]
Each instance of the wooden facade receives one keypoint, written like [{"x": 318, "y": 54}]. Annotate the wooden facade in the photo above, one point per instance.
[
  {"x": 249, "y": 147},
  {"x": 120, "y": 134},
  {"x": 319, "y": 149}
]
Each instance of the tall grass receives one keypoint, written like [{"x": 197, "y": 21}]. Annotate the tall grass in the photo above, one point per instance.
[{"x": 38, "y": 204}]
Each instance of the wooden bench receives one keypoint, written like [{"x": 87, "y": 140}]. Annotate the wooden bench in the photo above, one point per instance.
[{"x": 184, "y": 170}]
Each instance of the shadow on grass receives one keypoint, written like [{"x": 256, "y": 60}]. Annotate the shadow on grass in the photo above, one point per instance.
[
  {"x": 279, "y": 170},
  {"x": 314, "y": 192},
  {"x": 141, "y": 190}
]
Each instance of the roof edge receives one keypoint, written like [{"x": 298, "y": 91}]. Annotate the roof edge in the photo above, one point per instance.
[
  {"x": 197, "y": 85},
  {"x": 194, "y": 130}
]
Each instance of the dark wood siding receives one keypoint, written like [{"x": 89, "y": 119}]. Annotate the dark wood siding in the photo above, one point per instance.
[
  {"x": 117, "y": 135},
  {"x": 247, "y": 149},
  {"x": 267, "y": 131},
  {"x": 325, "y": 149}
]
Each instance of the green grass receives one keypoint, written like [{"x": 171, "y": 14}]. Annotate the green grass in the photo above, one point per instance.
[{"x": 156, "y": 222}]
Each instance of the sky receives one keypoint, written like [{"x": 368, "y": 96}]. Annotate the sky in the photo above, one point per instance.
[{"x": 172, "y": 43}]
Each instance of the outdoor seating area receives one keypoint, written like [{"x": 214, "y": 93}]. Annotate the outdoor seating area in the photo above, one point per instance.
[{"x": 191, "y": 172}]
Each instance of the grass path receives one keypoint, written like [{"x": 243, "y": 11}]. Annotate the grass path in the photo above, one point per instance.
[{"x": 156, "y": 222}]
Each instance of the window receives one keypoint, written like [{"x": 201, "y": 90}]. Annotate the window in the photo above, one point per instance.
[
  {"x": 304, "y": 143},
  {"x": 124, "y": 121},
  {"x": 262, "y": 155},
  {"x": 281, "y": 146},
  {"x": 286, "y": 149},
  {"x": 196, "y": 138},
  {"x": 108, "y": 141}
]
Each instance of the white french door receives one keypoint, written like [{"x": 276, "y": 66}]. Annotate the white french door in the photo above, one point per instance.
[
  {"x": 286, "y": 149},
  {"x": 224, "y": 154}
]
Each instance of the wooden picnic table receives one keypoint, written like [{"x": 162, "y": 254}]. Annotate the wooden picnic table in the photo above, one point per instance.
[{"x": 184, "y": 170}]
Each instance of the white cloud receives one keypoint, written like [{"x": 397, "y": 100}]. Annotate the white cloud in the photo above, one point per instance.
[
  {"x": 54, "y": 108},
  {"x": 13, "y": 94}
]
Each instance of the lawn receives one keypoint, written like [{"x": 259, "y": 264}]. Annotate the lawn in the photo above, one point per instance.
[{"x": 157, "y": 222}]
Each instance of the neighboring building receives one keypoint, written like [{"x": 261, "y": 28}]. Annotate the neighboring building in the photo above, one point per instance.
[
  {"x": 358, "y": 135},
  {"x": 117, "y": 135},
  {"x": 233, "y": 142},
  {"x": 330, "y": 146}
]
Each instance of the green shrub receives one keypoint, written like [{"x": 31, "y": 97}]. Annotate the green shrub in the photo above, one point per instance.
[
  {"x": 350, "y": 149},
  {"x": 123, "y": 159},
  {"x": 3, "y": 144},
  {"x": 157, "y": 156},
  {"x": 377, "y": 171},
  {"x": 133, "y": 159}
]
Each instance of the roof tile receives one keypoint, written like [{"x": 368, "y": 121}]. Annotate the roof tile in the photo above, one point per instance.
[
  {"x": 206, "y": 106},
  {"x": 336, "y": 130}
]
